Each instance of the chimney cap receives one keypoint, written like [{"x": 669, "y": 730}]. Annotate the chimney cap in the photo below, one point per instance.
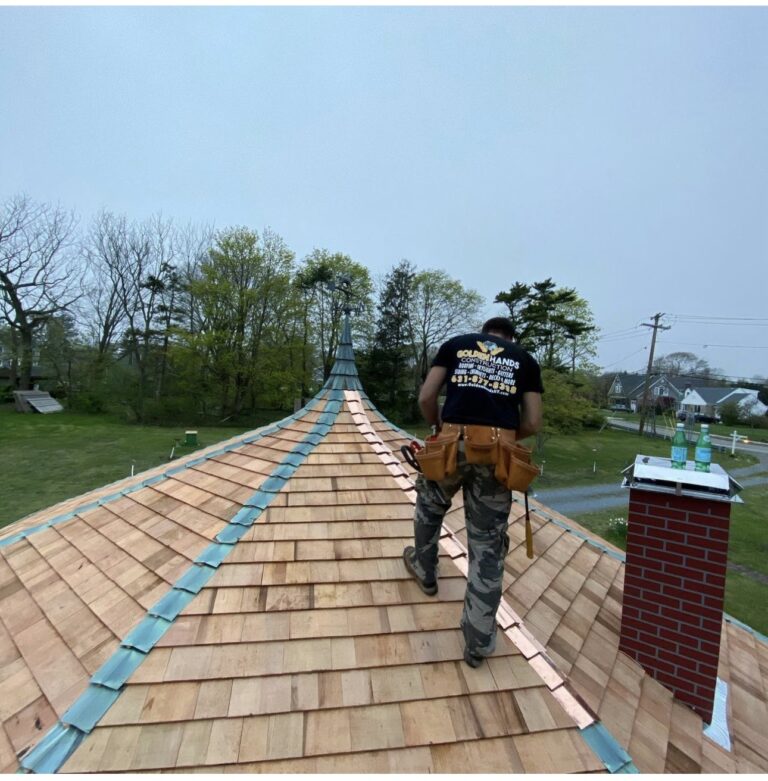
[{"x": 651, "y": 473}]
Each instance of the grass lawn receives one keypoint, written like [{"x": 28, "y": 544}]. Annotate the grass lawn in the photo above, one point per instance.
[{"x": 48, "y": 458}]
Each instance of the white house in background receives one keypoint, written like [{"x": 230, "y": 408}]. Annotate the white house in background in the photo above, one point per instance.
[{"x": 708, "y": 401}]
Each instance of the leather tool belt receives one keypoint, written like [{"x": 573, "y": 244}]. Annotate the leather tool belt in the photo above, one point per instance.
[{"x": 482, "y": 445}]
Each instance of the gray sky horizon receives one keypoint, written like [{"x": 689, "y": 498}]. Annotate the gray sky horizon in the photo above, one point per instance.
[{"x": 619, "y": 151}]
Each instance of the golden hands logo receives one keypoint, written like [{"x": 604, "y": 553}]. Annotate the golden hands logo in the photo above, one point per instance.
[{"x": 490, "y": 347}]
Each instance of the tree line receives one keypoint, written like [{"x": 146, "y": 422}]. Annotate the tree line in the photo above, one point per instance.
[{"x": 183, "y": 323}]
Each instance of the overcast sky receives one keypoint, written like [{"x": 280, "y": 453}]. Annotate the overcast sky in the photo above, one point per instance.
[{"x": 620, "y": 151}]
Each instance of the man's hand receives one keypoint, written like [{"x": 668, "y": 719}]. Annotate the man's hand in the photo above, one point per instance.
[{"x": 430, "y": 390}]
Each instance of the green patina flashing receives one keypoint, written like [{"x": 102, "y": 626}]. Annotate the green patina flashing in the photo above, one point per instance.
[
  {"x": 607, "y": 749},
  {"x": 108, "y": 682}
]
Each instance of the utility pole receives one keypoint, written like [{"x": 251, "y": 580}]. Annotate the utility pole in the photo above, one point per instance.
[{"x": 656, "y": 327}]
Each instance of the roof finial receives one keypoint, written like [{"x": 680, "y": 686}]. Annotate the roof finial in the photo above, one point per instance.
[{"x": 343, "y": 283}]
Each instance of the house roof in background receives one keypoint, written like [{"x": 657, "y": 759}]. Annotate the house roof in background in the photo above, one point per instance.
[{"x": 247, "y": 608}]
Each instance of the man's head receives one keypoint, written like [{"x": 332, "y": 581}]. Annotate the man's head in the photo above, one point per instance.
[{"x": 500, "y": 326}]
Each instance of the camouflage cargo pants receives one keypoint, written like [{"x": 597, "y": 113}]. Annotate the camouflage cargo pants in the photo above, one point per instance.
[{"x": 486, "y": 506}]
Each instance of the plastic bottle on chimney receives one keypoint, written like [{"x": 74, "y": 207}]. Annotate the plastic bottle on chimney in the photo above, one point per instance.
[
  {"x": 679, "y": 448},
  {"x": 703, "y": 454}
]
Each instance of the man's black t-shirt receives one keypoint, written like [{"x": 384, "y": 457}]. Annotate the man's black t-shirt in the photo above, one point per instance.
[{"x": 486, "y": 379}]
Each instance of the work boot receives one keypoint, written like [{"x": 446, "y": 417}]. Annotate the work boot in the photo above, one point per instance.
[
  {"x": 429, "y": 587},
  {"x": 473, "y": 660}
]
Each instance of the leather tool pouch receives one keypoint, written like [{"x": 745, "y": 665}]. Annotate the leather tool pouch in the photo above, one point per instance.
[
  {"x": 514, "y": 468},
  {"x": 437, "y": 458},
  {"x": 481, "y": 444}
]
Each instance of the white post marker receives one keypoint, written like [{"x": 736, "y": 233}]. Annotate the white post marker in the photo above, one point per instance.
[{"x": 733, "y": 442}]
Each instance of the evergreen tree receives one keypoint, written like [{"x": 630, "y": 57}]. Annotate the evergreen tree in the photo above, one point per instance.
[{"x": 388, "y": 375}]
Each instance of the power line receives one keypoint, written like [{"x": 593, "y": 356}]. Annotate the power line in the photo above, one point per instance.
[
  {"x": 716, "y": 317},
  {"x": 736, "y": 346},
  {"x": 644, "y": 347}
]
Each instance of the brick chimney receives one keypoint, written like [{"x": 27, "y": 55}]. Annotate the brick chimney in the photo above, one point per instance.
[{"x": 674, "y": 581}]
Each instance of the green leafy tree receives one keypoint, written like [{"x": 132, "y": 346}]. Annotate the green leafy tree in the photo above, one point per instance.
[
  {"x": 552, "y": 323},
  {"x": 243, "y": 292},
  {"x": 440, "y": 307},
  {"x": 62, "y": 354},
  {"x": 566, "y": 406}
]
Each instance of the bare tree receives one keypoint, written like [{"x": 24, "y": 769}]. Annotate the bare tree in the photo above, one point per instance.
[
  {"x": 39, "y": 277},
  {"x": 106, "y": 256},
  {"x": 439, "y": 308},
  {"x": 141, "y": 285}
]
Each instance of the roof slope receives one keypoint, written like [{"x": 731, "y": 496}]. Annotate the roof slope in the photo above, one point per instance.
[{"x": 247, "y": 609}]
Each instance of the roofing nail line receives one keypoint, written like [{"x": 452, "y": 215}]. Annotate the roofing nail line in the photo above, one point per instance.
[
  {"x": 605, "y": 746},
  {"x": 108, "y": 682}
]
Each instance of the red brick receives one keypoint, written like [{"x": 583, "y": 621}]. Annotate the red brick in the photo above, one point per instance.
[
  {"x": 684, "y": 572},
  {"x": 686, "y": 503},
  {"x": 721, "y": 509},
  {"x": 711, "y": 625},
  {"x": 668, "y": 580},
  {"x": 716, "y": 579},
  {"x": 701, "y": 522},
  {"x": 663, "y": 666},
  {"x": 666, "y": 513},
  {"x": 712, "y": 591},
  {"x": 667, "y": 624},
  {"x": 695, "y": 538},
  {"x": 666, "y": 556},
  {"x": 645, "y": 544},
  {"x": 699, "y": 565},
  {"x": 648, "y": 650},
  {"x": 680, "y": 526},
  {"x": 694, "y": 679},
  {"x": 651, "y": 589},
  {"x": 685, "y": 594},
  {"x": 634, "y": 622},
  {"x": 711, "y": 612},
  {"x": 692, "y": 655},
  {"x": 718, "y": 557},
  {"x": 704, "y": 668},
  {"x": 690, "y": 620},
  {"x": 718, "y": 534},
  {"x": 650, "y": 523},
  {"x": 627, "y": 645},
  {"x": 633, "y": 600},
  {"x": 710, "y": 649}
]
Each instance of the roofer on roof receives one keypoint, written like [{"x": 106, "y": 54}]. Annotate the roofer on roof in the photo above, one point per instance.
[{"x": 493, "y": 398}]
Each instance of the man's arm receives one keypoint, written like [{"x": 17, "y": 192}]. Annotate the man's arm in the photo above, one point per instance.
[
  {"x": 530, "y": 415},
  {"x": 428, "y": 394}
]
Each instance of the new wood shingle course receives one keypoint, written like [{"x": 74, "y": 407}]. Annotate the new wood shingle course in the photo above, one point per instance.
[{"x": 310, "y": 648}]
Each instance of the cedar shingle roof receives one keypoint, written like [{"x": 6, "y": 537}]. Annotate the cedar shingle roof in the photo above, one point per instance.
[{"x": 247, "y": 609}]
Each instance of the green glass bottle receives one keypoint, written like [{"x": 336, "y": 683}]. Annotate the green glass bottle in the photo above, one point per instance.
[
  {"x": 703, "y": 453},
  {"x": 679, "y": 448}
]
